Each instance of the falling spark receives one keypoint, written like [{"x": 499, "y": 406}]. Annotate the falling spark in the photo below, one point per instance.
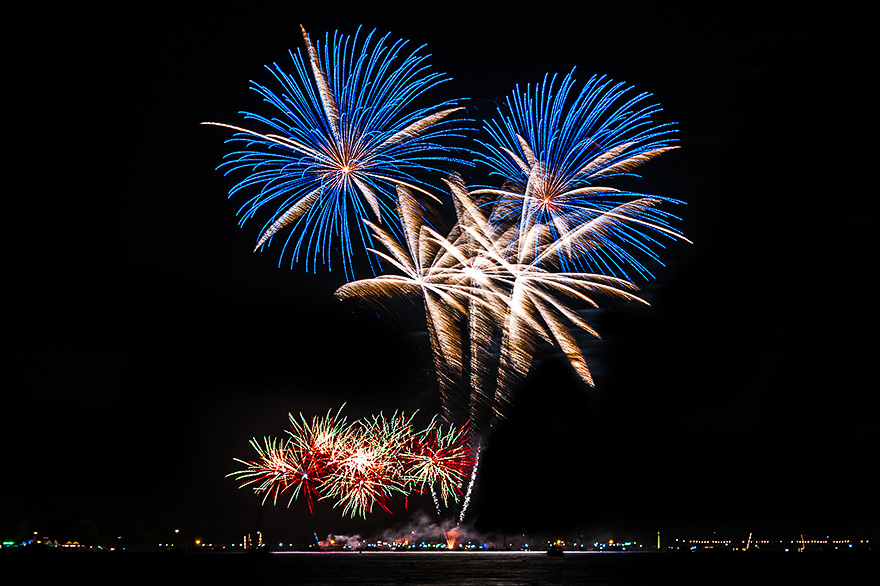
[
  {"x": 475, "y": 284},
  {"x": 467, "y": 496}
]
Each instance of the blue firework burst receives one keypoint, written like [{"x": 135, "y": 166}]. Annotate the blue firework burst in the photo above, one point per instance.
[
  {"x": 343, "y": 132},
  {"x": 555, "y": 148}
]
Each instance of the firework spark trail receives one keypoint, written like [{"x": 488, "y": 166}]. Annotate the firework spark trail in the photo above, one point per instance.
[
  {"x": 467, "y": 496},
  {"x": 432, "y": 268},
  {"x": 362, "y": 464},
  {"x": 534, "y": 309},
  {"x": 344, "y": 135},
  {"x": 436, "y": 501},
  {"x": 473, "y": 288}
]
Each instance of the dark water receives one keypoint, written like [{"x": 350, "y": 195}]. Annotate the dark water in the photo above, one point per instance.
[{"x": 459, "y": 569}]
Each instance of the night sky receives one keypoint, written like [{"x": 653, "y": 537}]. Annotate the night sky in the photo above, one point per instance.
[{"x": 148, "y": 344}]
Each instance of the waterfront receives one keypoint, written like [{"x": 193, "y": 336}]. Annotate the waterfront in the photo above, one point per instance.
[{"x": 459, "y": 568}]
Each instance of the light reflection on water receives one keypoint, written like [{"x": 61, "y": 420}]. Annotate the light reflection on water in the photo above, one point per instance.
[{"x": 447, "y": 568}]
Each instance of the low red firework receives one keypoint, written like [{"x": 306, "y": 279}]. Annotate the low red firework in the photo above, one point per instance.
[
  {"x": 359, "y": 465},
  {"x": 442, "y": 459}
]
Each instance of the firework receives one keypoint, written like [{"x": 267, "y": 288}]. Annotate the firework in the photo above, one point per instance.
[
  {"x": 484, "y": 299},
  {"x": 370, "y": 471},
  {"x": 273, "y": 473},
  {"x": 435, "y": 269},
  {"x": 342, "y": 135},
  {"x": 553, "y": 149},
  {"x": 553, "y": 234},
  {"x": 514, "y": 268},
  {"x": 359, "y": 465},
  {"x": 316, "y": 447},
  {"x": 440, "y": 458},
  {"x": 533, "y": 304}
]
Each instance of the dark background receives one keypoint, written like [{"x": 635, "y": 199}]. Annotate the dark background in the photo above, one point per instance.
[{"x": 147, "y": 344}]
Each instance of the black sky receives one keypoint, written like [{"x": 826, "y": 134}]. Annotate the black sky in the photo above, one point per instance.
[{"x": 148, "y": 344}]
